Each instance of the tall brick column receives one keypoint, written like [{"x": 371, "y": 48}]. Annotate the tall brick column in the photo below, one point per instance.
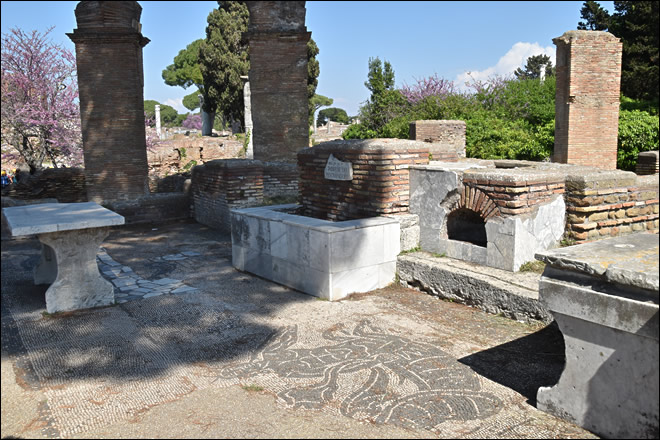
[
  {"x": 587, "y": 98},
  {"x": 278, "y": 78},
  {"x": 110, "y": 79}
]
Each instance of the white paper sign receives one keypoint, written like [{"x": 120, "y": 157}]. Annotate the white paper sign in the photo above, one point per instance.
[{"x": 335, "y": 169}]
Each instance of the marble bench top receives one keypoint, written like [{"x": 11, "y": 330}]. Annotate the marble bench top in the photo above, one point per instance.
[
  {"x": 628, "y": 260},
  {"x": 53, "y": 217}
]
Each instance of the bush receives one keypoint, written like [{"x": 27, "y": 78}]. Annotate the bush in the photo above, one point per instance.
[
  {"x": 490, "y": 137},
  {"x": 529, "y": 99},
  {"x": 359, "y": 131},
  {"x": 638, "y": 132},
  {"x": 650, "y": 107}
]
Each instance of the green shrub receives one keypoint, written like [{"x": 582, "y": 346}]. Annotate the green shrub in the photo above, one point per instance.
[
  {"x": 529, "y": 99},
  {"x": 638, "y": 132},
  {"x": 359, "y": 131},
  {"x": 489, "y": 137},
  {"x": 650, "y": 107}
]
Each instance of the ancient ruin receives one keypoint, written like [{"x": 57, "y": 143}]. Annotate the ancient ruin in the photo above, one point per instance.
[
  {"x": 278, "y": 79},
  {"x": 360, "y": 203},
  {"x": 110, "y": 79},
  {"x": 587, "y": 98}
]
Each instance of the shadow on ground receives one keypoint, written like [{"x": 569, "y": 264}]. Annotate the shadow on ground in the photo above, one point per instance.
[
  {"x": 143, "y": 338},
  {"x": 524, "y": 364}
]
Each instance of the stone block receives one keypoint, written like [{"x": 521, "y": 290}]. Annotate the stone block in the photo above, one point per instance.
[{"x": 604, "y": 296}]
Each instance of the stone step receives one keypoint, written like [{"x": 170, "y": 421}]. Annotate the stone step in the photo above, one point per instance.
[{"x": 512, "y": 294}]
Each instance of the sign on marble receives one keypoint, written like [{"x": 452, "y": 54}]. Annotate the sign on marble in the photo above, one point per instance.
[{"x": 338, "y": 170}]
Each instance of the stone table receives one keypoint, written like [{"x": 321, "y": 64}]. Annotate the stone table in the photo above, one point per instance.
[
  {"x": 70, "y": 235},
  {"x": 604, "y": 297}
]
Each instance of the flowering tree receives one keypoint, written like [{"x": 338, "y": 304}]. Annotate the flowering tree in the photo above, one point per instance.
[
  {"x": 193, "y": 122},
  {"x": 427, "y": 87},
  {"x": 40, "y": 112}
]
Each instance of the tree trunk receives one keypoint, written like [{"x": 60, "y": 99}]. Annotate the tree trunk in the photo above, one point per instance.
[{"x": 207, "y": 123}]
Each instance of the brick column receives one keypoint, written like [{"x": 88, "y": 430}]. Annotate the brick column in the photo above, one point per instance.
[
  {"x": 587, "y": 98},
  {"x": 278, "y": 79},
  {"x": 110, "y": 79}
]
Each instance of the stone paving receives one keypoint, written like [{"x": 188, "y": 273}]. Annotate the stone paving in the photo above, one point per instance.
[
  {"x": 240, "y": 356},
  {"x": 130, "y": 286}
]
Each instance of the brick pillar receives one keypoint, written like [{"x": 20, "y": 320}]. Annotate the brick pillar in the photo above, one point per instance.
[
  {"x": 278, "y": 79},
  {"x": 110, "y": 79},
  {"x": 587, "y": 98}
]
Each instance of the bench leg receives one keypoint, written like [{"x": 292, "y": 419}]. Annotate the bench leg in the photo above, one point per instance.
[
  {"x": 46, "y": 270},
  {"x": 78, "y": 283}
]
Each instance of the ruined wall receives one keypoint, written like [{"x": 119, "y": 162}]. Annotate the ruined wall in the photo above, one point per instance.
[
  {"x": 446, "y": 138},
  {"x": 508, "y": 192},
  {"x": 278, "y": 79},
  {"x": 380, "y": 183},
  {"x": 280, "y": 181},
  {"x": 154, "y": 208},
  {"x": 110, "y": 79},
  {"x": 607, "y": 204},
  {"x": 67, "y": 185},
  {"x": 647, "y": 163},
  {"x": 219, "y": 186},
  {"x": 587, "y": 98}
]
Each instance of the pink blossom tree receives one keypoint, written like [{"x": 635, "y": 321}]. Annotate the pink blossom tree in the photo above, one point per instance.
[
  {"x": 427, "y": 87},
  {"x": 193, "y": 122},
  {"x": 40, "y": 111}
]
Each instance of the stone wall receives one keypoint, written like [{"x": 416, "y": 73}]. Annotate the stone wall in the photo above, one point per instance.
[
  {"x": 587, "y": 98},
  {"x": 219, "y": 186},
  {"x": 607, "y": 204},
  {"x": 446, "y": 138},
  {"x": 379, "y": 184},
  {"x": 67, "y": 185}
]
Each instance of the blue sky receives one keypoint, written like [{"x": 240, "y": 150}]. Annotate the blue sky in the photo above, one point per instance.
[{"x": 419, "y": 39}]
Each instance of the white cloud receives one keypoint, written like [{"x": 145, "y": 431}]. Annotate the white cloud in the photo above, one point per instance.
[
  {"x": 177, "y": 103},
  {"x": 507, "y": 64}
]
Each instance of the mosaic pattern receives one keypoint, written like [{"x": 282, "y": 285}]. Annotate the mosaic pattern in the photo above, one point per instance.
[{"x": 376, "y": 377}]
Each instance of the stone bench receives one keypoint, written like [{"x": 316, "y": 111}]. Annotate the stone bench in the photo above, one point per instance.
[
  {"x": 70, "y": 235},
  {"x": 604, "y": 296}
]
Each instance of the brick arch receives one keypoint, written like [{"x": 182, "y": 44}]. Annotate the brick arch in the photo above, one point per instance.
[{"x": 479, "y": 202}]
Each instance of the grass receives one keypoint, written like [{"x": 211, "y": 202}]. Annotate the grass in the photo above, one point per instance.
[
  {"x": 252, "y": 387},
  {"x": 410, "y": 251},
  {"x": 567, "y": 241},
  {"x": 533, "y": 266}
]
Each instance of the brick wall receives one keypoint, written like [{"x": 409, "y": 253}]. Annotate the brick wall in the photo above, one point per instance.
[
  {"x": 280, "y": 180},
  {"x": 154, "y": 208},
  {"x": 587, "y": 98},
  {"x": 110, "y": 80},
  {"x": 380, "y": 182},
  {"x": 67, "y": 185},
  {"x": 499, "y": 193},
  {"x": 446, "y": 138},
  {"x": 219, "y": 186},
  {"x": 606, "y": 205},
  {"x": 647, "y": 163},
  {"x": 278, "y": 79}
]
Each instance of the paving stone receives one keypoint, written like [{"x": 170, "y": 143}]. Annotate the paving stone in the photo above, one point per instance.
[
  {"x": 152, "y": 294},
  {"x": 184, "y": 289},
  {"x": 164, "y": 281}
]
